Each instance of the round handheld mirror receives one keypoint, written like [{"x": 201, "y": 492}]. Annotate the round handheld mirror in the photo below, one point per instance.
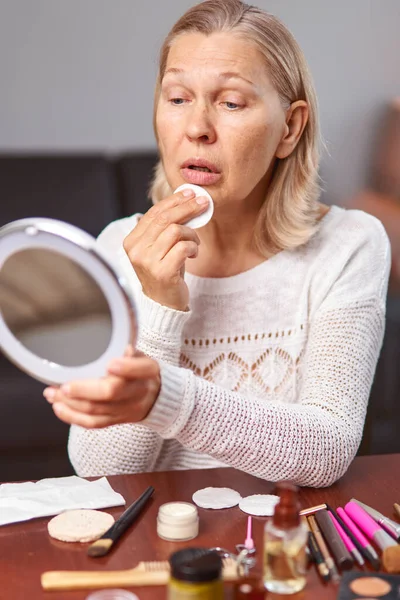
[{"x": 65, "y": 310}]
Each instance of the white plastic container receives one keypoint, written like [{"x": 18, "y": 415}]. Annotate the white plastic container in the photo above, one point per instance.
[{"x": 177, "y": 521}]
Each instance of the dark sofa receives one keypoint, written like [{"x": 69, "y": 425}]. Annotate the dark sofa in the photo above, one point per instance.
[{"x": 90, "y": 191}]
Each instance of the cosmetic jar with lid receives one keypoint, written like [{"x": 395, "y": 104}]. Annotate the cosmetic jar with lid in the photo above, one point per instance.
[
  {"x": 196, "y": 573},
  {"x": 177, "y": 521}
]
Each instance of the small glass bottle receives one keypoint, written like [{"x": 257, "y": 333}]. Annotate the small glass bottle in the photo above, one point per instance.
[
  {"x": 196, "y": 574},
  {"x": 285, "y": 542}
]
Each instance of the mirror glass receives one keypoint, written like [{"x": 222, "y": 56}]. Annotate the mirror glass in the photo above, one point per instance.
[{"x": 54, "y": 307}]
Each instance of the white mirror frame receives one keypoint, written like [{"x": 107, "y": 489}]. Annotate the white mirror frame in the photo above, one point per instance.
[{"x": 80, "y": 247}]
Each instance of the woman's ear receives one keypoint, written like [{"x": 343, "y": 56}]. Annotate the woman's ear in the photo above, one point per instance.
[{"x": 296, "y": 120}]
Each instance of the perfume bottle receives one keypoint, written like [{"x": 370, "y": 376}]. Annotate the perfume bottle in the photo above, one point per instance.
[{"x": 285, "y": 542}]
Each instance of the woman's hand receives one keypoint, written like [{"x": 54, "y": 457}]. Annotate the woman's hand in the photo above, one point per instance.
[
  {"x": 159, "y": 246},
  {"x": 125, "y": 395}
]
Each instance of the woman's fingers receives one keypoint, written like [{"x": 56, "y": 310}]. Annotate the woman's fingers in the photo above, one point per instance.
[
  {"x": 148, "y": 218},
  {"x": 133, "y": 392},
  {"x": 88, "y": 421},
  {"x": 159, "y": 245},
  {"x": 129, "y": 351},
  {"x": 170, "y": 237},
  {"x": 99, "y": 390},
  {"x": 125, "y": 395},
  {"x": 159, "y": 218},
  {"x": 138, "y": 367},
  {"x": 122, "y": 371},
  {"x": 176, "y": 257}
]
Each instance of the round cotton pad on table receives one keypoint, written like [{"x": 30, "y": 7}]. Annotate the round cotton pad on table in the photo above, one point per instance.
[
  {"x": 259, "y": 505},
  {"x": 213, "y": 497},
  {"x": 80, "y": 525}
]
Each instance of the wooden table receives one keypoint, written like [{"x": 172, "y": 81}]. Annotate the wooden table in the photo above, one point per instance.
[{"x": 26, "y": 550}]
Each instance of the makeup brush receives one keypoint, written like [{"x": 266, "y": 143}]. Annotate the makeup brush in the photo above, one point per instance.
[
  {"x": 316, "y": 554},
  {"x": 390, "y": 526},
  {"x": 330, "y": 563},
  {"x": 396, "y": 509},
  {"x": 144, "y": 574},
  {"x": 103, "y": 545},
  {"x": 369, "y": 526}
]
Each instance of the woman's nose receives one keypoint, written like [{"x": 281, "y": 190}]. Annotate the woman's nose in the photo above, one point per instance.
[{"x": 199, "y": 126}]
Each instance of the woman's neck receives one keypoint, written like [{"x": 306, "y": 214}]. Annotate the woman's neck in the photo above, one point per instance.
[{"x": 227, "y": 247}]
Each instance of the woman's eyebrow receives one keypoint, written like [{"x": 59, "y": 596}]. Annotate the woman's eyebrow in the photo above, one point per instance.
[{"x": 225, "y": 76}]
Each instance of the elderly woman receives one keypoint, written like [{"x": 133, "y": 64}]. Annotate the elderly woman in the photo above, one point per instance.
[{"x": 259, "y": 332}]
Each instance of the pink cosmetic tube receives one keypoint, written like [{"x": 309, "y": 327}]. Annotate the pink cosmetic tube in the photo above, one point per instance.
[
  {"x": 347, "y": 541},
  {"x": 370, "y": 527},
  {"x": 368, "y": 551}
]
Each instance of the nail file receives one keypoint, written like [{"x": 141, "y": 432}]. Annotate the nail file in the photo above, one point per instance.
[{"x": 204, "y": 218}]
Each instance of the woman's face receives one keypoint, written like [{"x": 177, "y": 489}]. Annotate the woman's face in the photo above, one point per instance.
[{"x": 219, "y": 119}]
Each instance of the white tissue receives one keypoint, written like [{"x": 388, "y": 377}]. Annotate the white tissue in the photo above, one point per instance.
[{"x": 29, "y": 500}]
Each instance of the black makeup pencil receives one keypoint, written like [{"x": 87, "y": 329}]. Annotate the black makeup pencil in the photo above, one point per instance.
[{"x": 103, "y": 545}]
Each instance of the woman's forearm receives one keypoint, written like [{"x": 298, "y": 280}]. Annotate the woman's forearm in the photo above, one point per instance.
[{"x": 312, "y": 441}]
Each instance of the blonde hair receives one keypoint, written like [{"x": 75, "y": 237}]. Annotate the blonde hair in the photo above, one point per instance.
[{"x": 288, "y": 216}]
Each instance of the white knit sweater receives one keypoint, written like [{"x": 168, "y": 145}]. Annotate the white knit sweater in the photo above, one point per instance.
[{"x": 269, "y": 372}]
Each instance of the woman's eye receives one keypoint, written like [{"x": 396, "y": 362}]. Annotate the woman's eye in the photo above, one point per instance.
[
  {"x": 177, "y": 101},
  {"x": 231, "y": 105}
]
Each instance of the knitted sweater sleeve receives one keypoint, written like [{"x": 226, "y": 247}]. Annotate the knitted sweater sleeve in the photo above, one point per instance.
[
  {"x": 130, "y": 447},
  {"x": 160, "y": 327},
  {"x": 313, "y": 440}
]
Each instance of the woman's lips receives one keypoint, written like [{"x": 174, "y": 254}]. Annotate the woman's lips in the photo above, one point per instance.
[{"x": 199, "y": 177}]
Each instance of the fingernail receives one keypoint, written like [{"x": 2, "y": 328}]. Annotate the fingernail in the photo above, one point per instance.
[
  {"x": 57, "y": 407},
  {"x": 202, "y": 200},
  {"x": 188, "y": 193},
  {"x": 66, "y": 389},
  {"x": 49, "y": 393}
]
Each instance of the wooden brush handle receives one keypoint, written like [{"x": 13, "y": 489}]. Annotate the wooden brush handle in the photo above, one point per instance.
[{"x": 85, "y": 580}]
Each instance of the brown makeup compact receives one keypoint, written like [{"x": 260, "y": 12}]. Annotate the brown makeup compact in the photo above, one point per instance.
[{"x": 362, "y": 586}]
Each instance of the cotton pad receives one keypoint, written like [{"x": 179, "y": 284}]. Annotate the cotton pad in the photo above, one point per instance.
[
  {"x": 213, "y": 497},
  {"x": 260, "y": 505},
  {"x": 202, "y": 219},
  {"x": 80, "y": 525}
]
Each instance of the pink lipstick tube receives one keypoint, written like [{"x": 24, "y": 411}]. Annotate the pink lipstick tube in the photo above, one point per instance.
[
  {"x": 370, "y": 527},
  {"x": 347, "y": 541},
  {"x": 367, "y": 550}
]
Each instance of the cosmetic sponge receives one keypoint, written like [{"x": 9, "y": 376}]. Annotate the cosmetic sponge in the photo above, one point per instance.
[
  {"x": 391, "y": 559},
  {"x": 205, "y": 217},
  {"x": 80, "y": 525}
]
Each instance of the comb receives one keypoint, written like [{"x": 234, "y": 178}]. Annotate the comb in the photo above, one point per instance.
[{"x": 146, "y": 573}]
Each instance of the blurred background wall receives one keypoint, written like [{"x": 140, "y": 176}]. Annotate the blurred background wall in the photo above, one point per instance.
[
  {"x": 79, "y": 74},
  {"x": 76, "y": 144}
]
